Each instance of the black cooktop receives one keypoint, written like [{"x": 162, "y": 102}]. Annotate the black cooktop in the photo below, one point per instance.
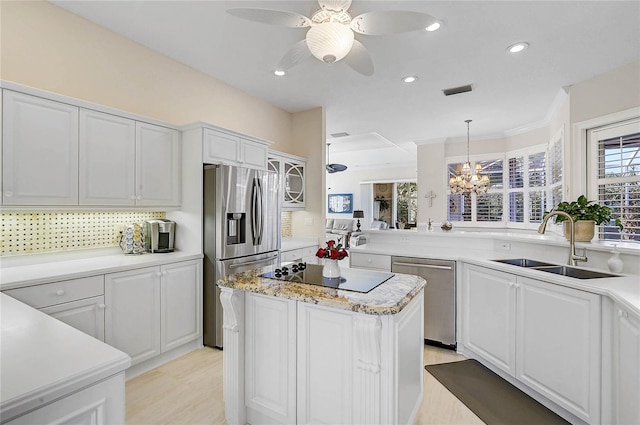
[{"x": 355, "y": 280}]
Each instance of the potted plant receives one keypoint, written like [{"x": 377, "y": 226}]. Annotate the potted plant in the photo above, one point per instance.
[{"x": 586, "y": 214}]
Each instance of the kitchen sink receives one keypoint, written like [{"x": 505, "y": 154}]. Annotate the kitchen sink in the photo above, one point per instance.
[
  {"x": 573, "y": 272},
  {"x": 556, "y": 269},
  {"x": 524, "y": 262}
]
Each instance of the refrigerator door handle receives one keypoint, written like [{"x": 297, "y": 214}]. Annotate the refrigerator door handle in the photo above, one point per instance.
[
  {"x": 248, "y": 263},
  {"x": 257, "y": 216}
]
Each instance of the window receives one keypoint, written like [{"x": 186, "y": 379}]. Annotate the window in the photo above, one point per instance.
[
  {"x": 407, "y": 202},
  {"x": 614, "y": 171},
  {"x": 522, "y": 186}
]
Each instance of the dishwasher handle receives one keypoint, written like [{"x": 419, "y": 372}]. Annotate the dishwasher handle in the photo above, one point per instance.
[{"x": 422, "y": 266}]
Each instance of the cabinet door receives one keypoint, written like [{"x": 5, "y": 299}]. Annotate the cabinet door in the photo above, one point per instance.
[
  {"x": 85, "y": 315},
  {"x": 220, "y": 148},
  {"x": 325, "y": 365},
  {"x": 132, "y": 315},
  {"x": 181, "y": 304},
  {"x": 488, "y": 315},
  {"x": 558, "y": 343},
  {"x": 626, "y": 367},
  {"x": 270, "y": 359},
  {"x": 157, "y": 165},
  {"x": 294, "y": 184},
  {"x": 253, "y": 155},
  {"x": 107, "y": 159},
  {"x": 39, "y": 151}
]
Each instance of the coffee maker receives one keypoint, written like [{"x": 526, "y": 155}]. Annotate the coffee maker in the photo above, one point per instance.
[{"x": 159, "y": 235}]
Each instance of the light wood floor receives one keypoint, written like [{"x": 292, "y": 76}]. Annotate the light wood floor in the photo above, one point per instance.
[{"x": 188, "y": 391}]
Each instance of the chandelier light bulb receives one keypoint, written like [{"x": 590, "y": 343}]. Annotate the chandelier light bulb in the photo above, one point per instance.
[{"x": 330, "y": 41}]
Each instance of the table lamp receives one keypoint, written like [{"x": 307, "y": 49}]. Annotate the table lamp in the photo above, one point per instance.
[{"x": 358, "y": 214}]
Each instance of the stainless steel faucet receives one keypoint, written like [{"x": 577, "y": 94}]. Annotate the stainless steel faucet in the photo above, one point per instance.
[{"x": 573, "y": 257}]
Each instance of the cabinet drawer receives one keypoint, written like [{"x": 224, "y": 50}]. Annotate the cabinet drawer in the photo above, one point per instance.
[
  {"x": 39, "y": 296},
  {"x": 371, "y": 261},
  {"x": 293, "y": 255}
]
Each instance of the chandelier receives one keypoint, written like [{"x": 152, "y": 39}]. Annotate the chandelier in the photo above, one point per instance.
[{"x": 467, "y": 181}]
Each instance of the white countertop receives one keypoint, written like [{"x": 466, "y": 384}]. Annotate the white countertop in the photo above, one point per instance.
[
  {"x": 44, "y": 359},
  {"x": 16, "y": 272},
  {"x": 288, "y": 244},
  {"x": 624, "y": 290}
]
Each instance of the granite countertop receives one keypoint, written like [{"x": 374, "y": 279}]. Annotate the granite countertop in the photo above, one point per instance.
[
  {"x": 44, "y": 359},
  {"x": 387, "y": 298}
]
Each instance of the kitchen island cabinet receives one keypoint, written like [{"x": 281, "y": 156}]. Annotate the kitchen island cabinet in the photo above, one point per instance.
[{"x": 299, "y": 353}]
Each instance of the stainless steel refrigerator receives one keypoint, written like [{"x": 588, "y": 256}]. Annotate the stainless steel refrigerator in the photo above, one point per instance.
[{"x": 241, "y": 225}]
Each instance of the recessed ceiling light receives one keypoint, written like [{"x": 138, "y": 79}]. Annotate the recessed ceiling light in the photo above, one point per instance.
[
  {"x": 518, "y": 47},
  {"x": 434, "y": 26},
  {"x": 279, "y": 72},
  {"x": 409, "y": 79}
]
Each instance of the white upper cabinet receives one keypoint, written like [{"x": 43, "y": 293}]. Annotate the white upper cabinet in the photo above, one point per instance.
[
  {"x": 58, "y": 154},
  {"x": 107, "y": 159},
  {"x": 40, "y": 151},
  {"x": 290, "y": 169},
  {"x": 157, "y": 165},
  {"x": 231, "y": 149}
]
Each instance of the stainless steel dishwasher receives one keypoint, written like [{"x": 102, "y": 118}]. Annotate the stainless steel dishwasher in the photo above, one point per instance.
[{"x": 439, "y": 297}]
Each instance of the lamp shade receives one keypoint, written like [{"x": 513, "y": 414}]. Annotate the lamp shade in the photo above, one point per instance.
[
  {"x": 330, "y": 41},
  {"x": 358, "y": 214}
]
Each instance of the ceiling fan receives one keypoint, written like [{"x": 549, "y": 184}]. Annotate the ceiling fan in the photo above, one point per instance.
[
  {"x": 331, "y": 37},
  {"x": 333, "y": 168}
]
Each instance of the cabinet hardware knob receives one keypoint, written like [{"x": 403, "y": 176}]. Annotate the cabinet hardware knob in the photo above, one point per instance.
[
  {"x": 60, "y": 292},
  {"x": 102, "y": 305},
  {"x": 138, "y": 197},
  {"x": 133, "y": 197},
  {"x": 622, "y": 313},
  {"x": 158, "y": 274},
  {"x": 8, "y": 194}
]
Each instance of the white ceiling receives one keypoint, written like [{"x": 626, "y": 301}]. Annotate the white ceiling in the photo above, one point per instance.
[{"x": 570, "y": 41}]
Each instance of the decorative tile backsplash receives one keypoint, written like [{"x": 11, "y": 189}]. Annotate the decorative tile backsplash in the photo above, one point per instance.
[
  {"x": 285, "y": 224},
  {"x": 35, "y": 233}
]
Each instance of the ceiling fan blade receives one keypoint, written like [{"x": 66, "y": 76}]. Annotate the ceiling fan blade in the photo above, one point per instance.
[
  {"x": 294, "y": 56},
  {"x": 335, "y": 5},
  {"x": 359, "y": 59},
  {"x": 273, "y": 17},
  {"x": 382, "y": 22}
]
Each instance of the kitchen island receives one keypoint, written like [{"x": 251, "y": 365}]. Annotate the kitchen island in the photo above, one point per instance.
[{"x": 301, "y": 353}]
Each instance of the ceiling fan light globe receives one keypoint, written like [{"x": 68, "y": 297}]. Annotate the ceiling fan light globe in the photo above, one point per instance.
[{"x": 329, "y": 41}]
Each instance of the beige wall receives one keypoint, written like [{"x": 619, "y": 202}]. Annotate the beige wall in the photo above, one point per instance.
[
  {"x": 308, "y": 135},
  {"x": 46, "y": 47},
  {"x": 614, "y": 91}
]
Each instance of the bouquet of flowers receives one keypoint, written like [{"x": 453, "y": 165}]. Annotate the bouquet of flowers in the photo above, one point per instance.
[{"x": 333, "y": 251}]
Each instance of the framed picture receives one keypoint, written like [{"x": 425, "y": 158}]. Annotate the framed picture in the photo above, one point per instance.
[{"x": 341, "y": 203}]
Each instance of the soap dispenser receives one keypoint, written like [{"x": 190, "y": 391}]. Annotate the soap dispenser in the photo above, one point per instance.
[{"x": 615, "y": 263}]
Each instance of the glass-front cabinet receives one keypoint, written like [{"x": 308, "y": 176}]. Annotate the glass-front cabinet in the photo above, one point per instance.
[{"x": 290, "y": 169}]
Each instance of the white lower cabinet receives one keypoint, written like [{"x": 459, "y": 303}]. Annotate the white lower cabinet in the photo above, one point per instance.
[
  {"x": 137, "y": 301},
  {"x": 180, "y": 301},
  {"x": 85, "y": 315},
  {"x": 76, "y": 302},
  {"x": 132, "y": 316},
  {"x": 624, "y": 365},
  {"x": 546, "y": 336},
  {"x": 100, "y": 404}
]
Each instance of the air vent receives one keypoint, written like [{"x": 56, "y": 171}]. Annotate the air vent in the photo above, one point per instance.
[
  {"x": 343, "y": 134},
  {"x": 457, "y": 90}
]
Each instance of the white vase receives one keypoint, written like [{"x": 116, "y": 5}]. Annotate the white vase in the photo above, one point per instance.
[
  {"x": 331, "y": 269},
  {"x": 615, "y": 263}
]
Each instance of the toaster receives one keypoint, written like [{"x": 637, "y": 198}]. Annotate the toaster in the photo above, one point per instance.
[{"x": 159, "y": 235}]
